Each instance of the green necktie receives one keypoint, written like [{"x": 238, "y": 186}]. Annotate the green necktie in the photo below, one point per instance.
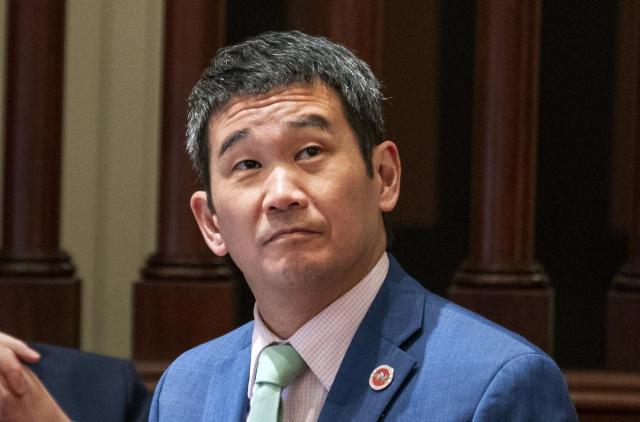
[{"x": 278, "y": 366}]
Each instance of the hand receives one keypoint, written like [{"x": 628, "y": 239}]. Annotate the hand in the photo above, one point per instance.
[
  {"x": 12, "y": 353},
  {"x": 22, "y": 395},
  {"x": 35, "y": 404}
]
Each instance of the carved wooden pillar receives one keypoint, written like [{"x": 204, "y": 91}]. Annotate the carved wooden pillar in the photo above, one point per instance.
[
  {"x": 39, "y": 295},
  {"x": 356, "y": 24},
  {"x": 623, "y": 306},
  {"x": 187, "y": 295},
  {"x": 500, "y": 278}
]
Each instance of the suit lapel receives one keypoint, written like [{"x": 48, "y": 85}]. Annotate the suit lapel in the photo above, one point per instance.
[
  {"x": 227, "y": 394},
  {"x": 394, "y": 316}
]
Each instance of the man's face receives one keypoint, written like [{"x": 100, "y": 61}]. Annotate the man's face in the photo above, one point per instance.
[{"x": 294, "y": 205}]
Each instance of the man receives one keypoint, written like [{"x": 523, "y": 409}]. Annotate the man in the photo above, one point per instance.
[
  {"x": 62, "y": 384},
  {"x": 286, "y": 131}
]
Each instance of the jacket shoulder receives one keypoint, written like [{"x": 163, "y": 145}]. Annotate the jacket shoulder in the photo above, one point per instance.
[
  {"x": 463, "y": 357},
  {"x": 197, "y": 364},
  {"x": 185, "y": 390},
  {"x": 218, "y": 349},
  {"x": 467, "y": 332}
]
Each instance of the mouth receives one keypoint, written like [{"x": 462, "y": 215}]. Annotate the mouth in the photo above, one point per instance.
[{"x": 290, "y": 232}]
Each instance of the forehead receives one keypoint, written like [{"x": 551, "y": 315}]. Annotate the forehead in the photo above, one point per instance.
[{"x": 275, "y": 106}]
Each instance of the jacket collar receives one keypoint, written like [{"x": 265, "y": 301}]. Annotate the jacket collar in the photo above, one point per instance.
[{"x": 394, "y": 316}]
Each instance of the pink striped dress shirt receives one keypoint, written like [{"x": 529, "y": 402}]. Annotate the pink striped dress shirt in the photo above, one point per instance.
[{"x": 322, "y": 342}]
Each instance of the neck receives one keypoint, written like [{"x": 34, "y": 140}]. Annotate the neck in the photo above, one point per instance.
[
  {"x": 287, "y": 321},
  {"x": 286, "y": 311}
]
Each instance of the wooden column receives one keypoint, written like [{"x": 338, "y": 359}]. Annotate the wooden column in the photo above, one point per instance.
[
  {"x": 39, "y": 295},
  {"x": 623, "y": 306},
  {"x": 356, "y": 24},
  {"x": 500, "y": 278},
  {"x": 186, "y": 295}
]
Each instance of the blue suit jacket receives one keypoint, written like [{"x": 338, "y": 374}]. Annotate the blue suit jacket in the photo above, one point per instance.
[
  {"x": 450, "y": 365},
  {"x": 91, "y": 387}
]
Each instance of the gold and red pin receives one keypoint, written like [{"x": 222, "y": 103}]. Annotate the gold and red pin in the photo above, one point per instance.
[{"x": 381, "y": 377}]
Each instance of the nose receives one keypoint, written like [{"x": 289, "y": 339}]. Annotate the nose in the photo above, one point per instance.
[{"x": 283, "y": 191}]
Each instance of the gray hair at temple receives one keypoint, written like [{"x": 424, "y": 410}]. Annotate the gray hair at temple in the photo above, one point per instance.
[{"x": 277, "y": 59}]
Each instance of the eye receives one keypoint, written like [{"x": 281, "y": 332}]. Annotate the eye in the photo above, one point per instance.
[
  {"x": 247, "y": 165},
  {"x": 309, "y": 152}
]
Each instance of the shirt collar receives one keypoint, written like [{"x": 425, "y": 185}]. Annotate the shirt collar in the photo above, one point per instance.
[{"x": 323, "y": 340}]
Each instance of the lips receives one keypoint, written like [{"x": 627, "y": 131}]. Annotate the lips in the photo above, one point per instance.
[{"x": 282, "y": 233}]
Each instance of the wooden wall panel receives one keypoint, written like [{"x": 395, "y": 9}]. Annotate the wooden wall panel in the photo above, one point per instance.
[{"x": 605, "y": 396}]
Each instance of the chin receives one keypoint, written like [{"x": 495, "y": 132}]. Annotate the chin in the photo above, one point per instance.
[{"x": 299, "y": 270}]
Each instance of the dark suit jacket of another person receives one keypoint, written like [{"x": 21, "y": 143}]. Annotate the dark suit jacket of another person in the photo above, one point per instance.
[{"x": 91, "y": 387}]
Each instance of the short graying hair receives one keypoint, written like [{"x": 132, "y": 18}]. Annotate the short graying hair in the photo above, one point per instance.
[{"x": 278, "y": 59}]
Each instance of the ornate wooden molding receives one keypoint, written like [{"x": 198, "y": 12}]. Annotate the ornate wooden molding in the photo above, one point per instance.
[{"x": 605, "y": 395}]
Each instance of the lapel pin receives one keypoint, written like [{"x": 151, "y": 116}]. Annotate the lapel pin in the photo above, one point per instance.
[{"x": 381, "y": 377}]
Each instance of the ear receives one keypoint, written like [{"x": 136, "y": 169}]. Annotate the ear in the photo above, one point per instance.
[
  {"x": 387, "y": 170},
  {"x": 208, "y": 223}
]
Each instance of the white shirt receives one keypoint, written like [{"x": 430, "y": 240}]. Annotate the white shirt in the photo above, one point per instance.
[{"x": 322, "y": 342}]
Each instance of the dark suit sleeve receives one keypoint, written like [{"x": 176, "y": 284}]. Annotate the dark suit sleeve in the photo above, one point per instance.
[
  {"x": 91, "y": 387},
  {"x": 529, "y": 387},
  {"x": 138, "y": 398}
]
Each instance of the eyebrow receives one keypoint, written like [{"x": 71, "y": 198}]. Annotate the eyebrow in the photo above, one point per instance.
[
  {"x": 232, "y": 140},
  {"x": 307, "y": 121},
  {"x": 310, "y": 120}
]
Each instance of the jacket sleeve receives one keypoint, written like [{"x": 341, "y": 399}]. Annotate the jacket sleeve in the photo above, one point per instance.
[
  {"x": 154, "y": 412},
  {"x": 529, "y": 387}
]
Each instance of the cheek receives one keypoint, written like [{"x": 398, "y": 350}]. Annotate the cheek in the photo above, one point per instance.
[
  {"x": 235, "y": 219},
  {"x": 350, "y": 203}
]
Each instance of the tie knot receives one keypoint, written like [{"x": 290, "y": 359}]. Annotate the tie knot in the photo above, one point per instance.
[{"x": 279, "y": 364}]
